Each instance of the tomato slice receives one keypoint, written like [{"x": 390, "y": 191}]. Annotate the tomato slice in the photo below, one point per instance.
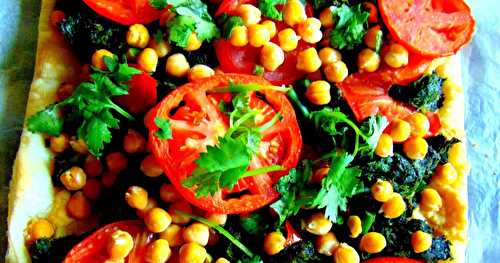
[
  {"x": 429, "y": 27},
  {"x": 93, "y": 248},
  {"x": 292, "y": 236},
  {"x": 197, "y": 122},
  {"x": 393, "y": 260},
  {"x": 141, "y": 94},
  {"x": 229, "y": 6},
  {"x": 125, "y": 12}
]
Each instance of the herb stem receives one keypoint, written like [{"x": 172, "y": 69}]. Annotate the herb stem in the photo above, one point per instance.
[
  {"x": 262, "y": 170},
  {"x": 295, "y": 99},
  {"x": 270, "y": 123}
]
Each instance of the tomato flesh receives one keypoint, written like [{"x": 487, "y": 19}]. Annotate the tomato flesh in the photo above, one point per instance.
[
  {"x": 196, "y": 123},
  {"x": 432, "y": 28},
  {"x": 392, "y": 260},
  {"x": 125, "y": 12},
  {"x": 141, "y": 94}
]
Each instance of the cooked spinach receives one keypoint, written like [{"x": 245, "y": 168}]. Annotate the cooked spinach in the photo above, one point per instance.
[
  {"x": 47, "y": 250},
  {"x": 300, "y": 252},
  {"x": 425, "y": 94}
]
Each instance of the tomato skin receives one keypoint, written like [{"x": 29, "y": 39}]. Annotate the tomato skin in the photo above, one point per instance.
[
  {"x": 229, "y": 6},
  {"x": 433, "y": 28},
  {"x": 292, "y": 236},
  {"x": 93, "y": 248},
  {"x": 434, "y": 124},
  {"x": 125, "y": 12},
  {"x": 393, "y": 260},
  {"x": 141, "y": 95}
]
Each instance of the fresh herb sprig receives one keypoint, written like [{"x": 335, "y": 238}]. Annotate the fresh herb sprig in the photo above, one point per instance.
[{"x": 350, "y": 28}]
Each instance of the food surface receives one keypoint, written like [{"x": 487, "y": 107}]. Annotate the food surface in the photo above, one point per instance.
[{"x": 244, "y": 131}]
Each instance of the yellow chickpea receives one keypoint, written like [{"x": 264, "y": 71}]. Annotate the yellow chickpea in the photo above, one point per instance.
[
  {"x": 157, "y": 220},
  {"x": 372, "y": 37},
  {"x": 239, "y": 36},
  {"x": 173, "y": 234},
  {"x": 382, "y": 190},
  {"x": 120, "y": 244},
  {"x": 97, "y": 58},
  {"x": 444, "y": 175},
  {"x": 336, "y": 71},
  {"x": 271, "y": 56},
  {"x": 150, "y": 167},
  {"x": 271, "y": 27},
  {"x": 194, "y": 43},
  {"x": 354, "y": 224},
  {"x": 329, "y": 55},
  {"x": 177, "y": 65},
  {"x": 310, "y": 30},
  {"x": 219, "y": 219},
  {"x": 78, "y": 207},
  {"x": 345, "y": 254},
  {"x": 326, "y": 17},
  {"x": 288, "y": 40},
  {"x": 152, "y": 203},
  {"x": 308, "y": 60},
  {"x": 400, "y": 131},
  {"x": 136, "y": 197},
  {"x": 158, "y": 251},
  {"x": 368, "y": 60},
  {"x": 430, "y": 200},
  {"x": 40, "y": 228},
  {"x": 258, "y": 35},
  {"x": 318, "y": 92},
  {"x": 196, "y": 232},
  {"x": 415, "y": 148},
  {"x": 326, "y": 244},
  {"x": 421, "y": 241},
  {"x": 397, "y": 56},
  {"x": 294, "y": 12},
  {"x": 74, "y": 178},
  {"x": 138, "y": 36},
  {"x": 318, "y": 224},
  {"x": 200, "y": 71},
  {"x": 384, "y": 146},
  {"x": 372, "y": 242},
  {"x": 394, "y": 207},
  {"x": 192, "y": 253},
  {"x": 78, "y": 145},
  {"x": 274, "y": 242},
  {"x": 250, "y": 14},
  {"x": 59, "y": 144},
  {"x": 161, "y": 48},
  {"x": 222, "y": 260},
  {"x": 419, "y": 124}
]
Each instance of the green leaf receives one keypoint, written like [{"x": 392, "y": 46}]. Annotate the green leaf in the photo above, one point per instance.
[
  {"x": 95, "y": 133},
  {"x": 268, "y": 8},
  {"x": 229, "y": 24},
  {"x": 180, "y": 28},
  {"x": 367, "y": 222},
  {"x": 111, "y": 62},
  {"x": 258, "y": 70},
  {"x": 378, "y": 41},
  {"x": 372, "y": 128},
  {"x": 46, "y": 121},
  {"x": 350, "y": 27},
  {"x": 158, "y": 4},
  {"x": 164, "y": 132}
]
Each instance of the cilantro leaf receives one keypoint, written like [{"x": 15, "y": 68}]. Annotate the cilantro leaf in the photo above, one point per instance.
[
  {"x": 229, "y": 23},
  {"x": 372, "y": 128},
  {"x": 46, "y": 121},
  {"x": 158, "y": 4},
  {"x": 180, "y": 28},
  {"x": 164, "y": 132},
  {"x": 268, "y": 8},
  {"x": 350, "y": 27}
]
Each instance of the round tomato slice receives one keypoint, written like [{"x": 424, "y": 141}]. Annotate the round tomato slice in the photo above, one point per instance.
[
  {"x": 432, "y": 28},
  {"x": 392, "y": 260},
  {"x": 93, "y": 248},
  {"x": 196, "y": 122},
  {"x": 125, "y": 12}
]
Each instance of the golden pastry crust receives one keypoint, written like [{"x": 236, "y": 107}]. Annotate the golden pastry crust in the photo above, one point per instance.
[{"x": 33, "y": 195}]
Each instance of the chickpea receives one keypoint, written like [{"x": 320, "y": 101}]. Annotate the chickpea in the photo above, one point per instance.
[
  {"x": 148, "y": 60},
  {"x": 136, "y": 197},
  {"x": 196, "y": 232},
  {"x": 134, "y": 142},
  {"x": 239, "y": 36},
  {"x": 308, "y": 60},
  {"x": 318, "y": 92},
  {"x": 372, "y": 9},
  {"x": 384, "y": 146},
  {"x": 59, "y": 144},
  {"x": 345, "y": 254},
  {"x": 368, "y": 60},
  {"x": 74, "y": 178},
  {"x": 294, "y": 12},
  {"x": 326, "y": 17},
  {"x": 158, "y": 251},
  {"x": 336, "y": 71},
  {"x": 219, "y": 219},
  {"x": 430, "y": 200},
  {"x": 354, "y": 224},
  {"x": 157, "y": 220},
  {"x": 329, "y": 55},
  {"x": 183, "y": 207},
  {"x": 318, "y": 224},
  {"x": 310, "y": 30},
  {"x": 92, "y": 189},
  {"x": 258, "y": 35},
  {"x": 78, "y": 145},
  {"x": 200, "y": 71},
  {"x": 271, "y": 27},
  {"x": 400, "y": 131},
  {"x": 78, "y": 207},
  {"x": 444, "y": 175},
  {"x": 177, "y": 65},
  {"x": 152, "y": 203},
  {"x": 373, "y": 37},
  {"x": 137, "y": 36},
  {"x": 419, "y": 124},
  {"x": 40, "y": 228},
  {"x": 372, "y": 242},
  {"x": 271, "y": 56},
  {"x": 397, "y": 56},
  {"x": 326, "y": 244},
  {"x": 92, "y": 166},
  {"x": 394, "y": 207},
  {"x": 274, "y": 242},
  {"x": 161, "y": 48},
  {"x": 150, "y": 167},
  {"x": 173, "y": 234},
  {"x": 116, "y": 162},
  {"x": 222, "y": 260},
  {"x": 108, "y": 179},
  {"x": 98, "y": 58},
  {"x": 192, "y": 253},
  {"x": 194, "y": 43},
  {"x": 169, "y": 194},
  {"x": 421, "y": 241},
  {"x": 382, "y": 190},
  {"x": 288, "y": 40},
  {"x": 120, "y": 244},
  {"x": 415, "y": 148},
  {"x": 250, "y": 14}
]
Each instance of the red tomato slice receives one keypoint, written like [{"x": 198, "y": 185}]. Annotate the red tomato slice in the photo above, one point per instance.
[
  {"x": 393, "y": 260},
  {"x": 434, "y": 124},
  {"x": 125, "y": 12},
  {"x": 141, "y": 94},
  {"x": 93, "y": 248},
  {"x": 195, "y": 120},
  {"x": 292, "y": 236},
  {"x": 229, "y": 6},
  {"x": 432, "y": 28}
]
